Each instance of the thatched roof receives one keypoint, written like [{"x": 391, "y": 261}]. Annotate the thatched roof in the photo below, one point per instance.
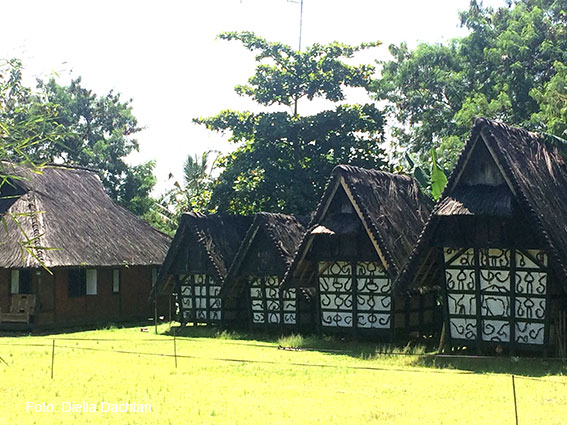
[
  {"x": 284, "y": 233},
  {"x": 390, "y": 207},
  {"x": 67, "y": 211},
  {"x": 218, "y": 235},
  {"x": 535, "y": 173}
]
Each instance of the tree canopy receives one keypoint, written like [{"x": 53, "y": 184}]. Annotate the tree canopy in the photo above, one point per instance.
[
  {"x": 511, "y": 67},
  {"x": 283, "y": 159},
  {"x": 75, "y": 126}
]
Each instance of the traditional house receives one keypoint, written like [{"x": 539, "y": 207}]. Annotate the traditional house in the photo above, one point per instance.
[
  {"x": 365, "y": 227},
  {"x": 197, "y": 263},
  {"x": 69, "y": 254},
  {"x": 256, "y": 273},
  {"x": 496, "y": 243}
]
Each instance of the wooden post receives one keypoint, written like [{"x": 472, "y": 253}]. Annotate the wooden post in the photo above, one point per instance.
[
  {"x": 52, "y": 357},
  {"x": 155, "y": 313},
  {"x": 515, "y": 401},
  {"x": 442, "y": 339},
  {"x": 175, "y": 349}
]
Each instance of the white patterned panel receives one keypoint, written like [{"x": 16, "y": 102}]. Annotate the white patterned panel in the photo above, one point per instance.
[
  {"x": 370, "y": 302},
  {"x": 374, "y": 320},
  {"x": 201, "y": 303},
  {"x": 531, "y": 282},
  {"x": 201, "y": 314},
  {"x": 529, "y": 333},
  {"x": 371, "y": 269},
  {"x": 335, "y": 268},
  {"x": 530, "y": 308},
  {"x": 496, "y": 330},
  {"x": 272, "y": 281},
  {"x": 257, "y": 305},
  {"x": 214, "y": 291},
  {"x": 290, "y": 319},
  {"x": 335, "y": 284},
  {"x": 187, "y": 315},
  {"x": 492, "y": 305},
  {"x": 289, "y": 294},
  {"x": 330, "y": 301},
  {"x": 186, "y": 302},
  {"x": 215, "y": 315},
  {"x": 258, "y": 317},
  {"x": 463, "y": 328},
  {"x": 524, "y": 261},
  {"x": 273, "y": 304},
  {"x": 186, "y": 291},
  {"x": 289, "y": 305},
  {"x": 341, "y": 320},
  {"x": 272, "y": 293},
  {"x": 495, "y": 280},
  {"x": 274, "y": 317},
  {"x": 255, "y": 281},
  {"x": 199, "y": 279},
  {"x": 215, "y": 303},
  {"x": 256, "y": 293},
  {"x": 380, "y": 284},
  {"x": 460, "y": 280},
  {"x": 464, "y": 260},
  {"x": 200, "y": 290},
  {"x": 462, "y": 304},
  {"x": 494, "y": 258}
]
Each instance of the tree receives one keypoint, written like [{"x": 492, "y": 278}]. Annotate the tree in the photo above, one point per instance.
[
  {"x": 99, "y": 134},
  {"x": 501, "y": 70},
  {"x": 72, "y": 125},
  {"x": 23, "y": 125},
  {"x": 283, "y": 159}
]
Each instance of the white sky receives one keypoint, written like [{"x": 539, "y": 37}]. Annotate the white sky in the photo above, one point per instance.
[{"x": 164, "y": 55}]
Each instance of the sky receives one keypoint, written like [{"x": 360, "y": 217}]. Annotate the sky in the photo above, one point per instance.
[{"x": 165, "y": 55}]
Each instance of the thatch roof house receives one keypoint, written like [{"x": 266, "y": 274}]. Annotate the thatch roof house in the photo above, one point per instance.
[
  {"x": 496, "y": 243},
  {"x": 365, "y": 226},
  {"x": 197, "y": 263},
  {"x": 255, "y": 275},
  {"x": 100, "y": 256}
]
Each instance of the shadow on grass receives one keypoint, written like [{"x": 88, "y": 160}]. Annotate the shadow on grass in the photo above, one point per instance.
[
  {"x": 77, "y": 328},
  {"x": 419, "y": 353}
]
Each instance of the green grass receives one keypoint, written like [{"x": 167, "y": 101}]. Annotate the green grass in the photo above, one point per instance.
[{"x": 241, "y": 378}]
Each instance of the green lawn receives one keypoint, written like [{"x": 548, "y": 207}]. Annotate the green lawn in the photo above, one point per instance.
[{"x": 271, "y": 386}]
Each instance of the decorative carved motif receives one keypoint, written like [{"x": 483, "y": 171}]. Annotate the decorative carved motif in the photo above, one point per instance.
[
  {"x": 266, "y": 304},
  {"x": 370, "y": 294},
  {"x": 479, "y": 285},
  {"x": 200, "y": 298}
]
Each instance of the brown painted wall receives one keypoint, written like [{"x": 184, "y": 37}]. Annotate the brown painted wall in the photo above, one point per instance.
[{"x": 56, "y": 307}]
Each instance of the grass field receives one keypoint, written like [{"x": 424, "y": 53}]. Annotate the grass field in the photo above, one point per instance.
[{"x": 235, "y": 379}]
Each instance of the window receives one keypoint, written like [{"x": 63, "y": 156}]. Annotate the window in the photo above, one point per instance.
[
  {"x": 20, "y": 282},
  {"x": 115, "y": 281},
  {"x": 91, "y": 282},
  {"x": 76, "y": 282}
]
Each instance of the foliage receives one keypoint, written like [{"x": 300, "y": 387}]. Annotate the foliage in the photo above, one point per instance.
[
  {"x": 24, "y": 125},
  {"x": 509, "y": 67},
  {"x": 72, "y": 125},
  {"x": 283, "y": 159},
  {"x": 438, "y": 178},
  {"x": 194, "y": 194}
]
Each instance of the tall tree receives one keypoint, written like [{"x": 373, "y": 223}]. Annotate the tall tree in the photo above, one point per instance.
[
  {"x": 283, "y": 159},
  {"x": 503, "y": 69},
  {"x": 100, "y": 134}
]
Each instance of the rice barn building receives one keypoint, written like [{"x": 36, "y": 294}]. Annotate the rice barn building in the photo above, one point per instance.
[
  {"x": 197, "y": 264},
  {"x": 496, "y": 244},
  {"x": 364, "y": 229},
  {"x": 254, "y": 279},
  {"x": 70, "y": 255}
]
